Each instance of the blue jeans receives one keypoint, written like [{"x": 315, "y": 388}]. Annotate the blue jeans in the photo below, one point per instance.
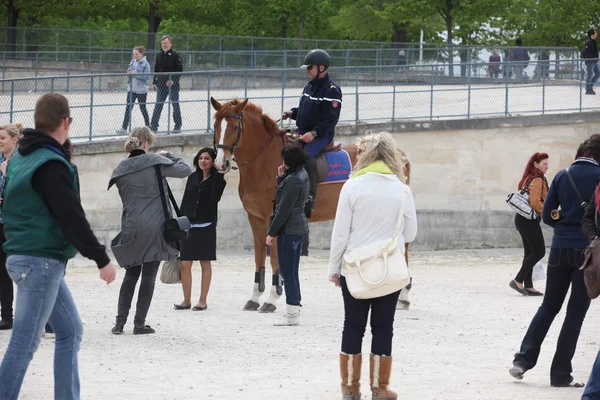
[
  {"x": 42, "y": 296},
  {"x": 592, "y": 389},
  {"x": 563, "y": 271},
  {"x": 289, "y": 248},
  {"x": 593, "y": 73},
  {"x": 162, "y": 93}
]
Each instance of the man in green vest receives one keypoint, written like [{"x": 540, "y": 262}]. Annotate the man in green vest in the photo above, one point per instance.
[{"x": 45, "y": 226}]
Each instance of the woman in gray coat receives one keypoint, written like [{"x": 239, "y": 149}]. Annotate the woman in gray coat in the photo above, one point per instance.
[{"x": 140, "y": 246}]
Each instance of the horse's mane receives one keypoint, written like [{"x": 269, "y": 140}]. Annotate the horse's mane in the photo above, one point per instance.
[{"x": 270, "y": 125}]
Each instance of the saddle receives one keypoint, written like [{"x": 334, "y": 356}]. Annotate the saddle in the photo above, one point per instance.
[{"x": 292, "y": 138}]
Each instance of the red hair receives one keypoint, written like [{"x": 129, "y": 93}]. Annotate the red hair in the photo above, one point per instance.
[{"x": 530, "y": 170}]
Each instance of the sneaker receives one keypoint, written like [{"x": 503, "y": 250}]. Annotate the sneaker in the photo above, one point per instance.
[
  {"x": 117, "y": 329},
  {"x": 290, "y": 318},
  {"x": 6, "y": 324},
  {"x": 517, "y": 371},
  {"x": 143, "y": 330},
  {"x": 176, "y": 130},
  {"x": 49, "y": 335},
  {"x": 121, "y": 131}
]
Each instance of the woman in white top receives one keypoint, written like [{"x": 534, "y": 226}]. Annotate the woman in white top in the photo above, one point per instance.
[{"x": 367, "y": 212}]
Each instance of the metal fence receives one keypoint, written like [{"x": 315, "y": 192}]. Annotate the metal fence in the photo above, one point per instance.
[
  {"x": 104, "y": 48},
  {"x": 412, "y": 92}
]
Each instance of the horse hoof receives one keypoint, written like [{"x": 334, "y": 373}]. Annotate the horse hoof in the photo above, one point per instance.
[
  {"x": 403, "y": 305},
  {"x": 251, "y": 306},
  {"x": 267, "y": 308}
]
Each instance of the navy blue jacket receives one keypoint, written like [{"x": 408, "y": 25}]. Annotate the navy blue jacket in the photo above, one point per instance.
[
  {"x": 319, "y": 108},
  {"x": 567, "y": 230}
]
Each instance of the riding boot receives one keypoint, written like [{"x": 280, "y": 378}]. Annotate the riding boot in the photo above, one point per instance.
[
  {"x": 381, "y": 369},
  {"x": 350, "y": 366},
  {"x": 311, "y": 169}
]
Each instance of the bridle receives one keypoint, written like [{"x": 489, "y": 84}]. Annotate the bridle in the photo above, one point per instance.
[{"x": 239, "y": 130}]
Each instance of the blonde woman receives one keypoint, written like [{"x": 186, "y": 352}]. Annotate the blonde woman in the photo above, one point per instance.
[
  {"x": 140, "y": 246},
  {"x": 9, "y": 138},
  {"x": 367, "y": 212}
]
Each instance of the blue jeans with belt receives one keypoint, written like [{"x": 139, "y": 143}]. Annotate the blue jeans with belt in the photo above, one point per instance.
[
  {"x": 289, "y": 248},
  {"x": 42, "y": 296},
  {"x": 563, "y": 272}
]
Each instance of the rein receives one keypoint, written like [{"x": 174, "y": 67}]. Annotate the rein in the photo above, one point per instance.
[{"x": 240, "y": 129}]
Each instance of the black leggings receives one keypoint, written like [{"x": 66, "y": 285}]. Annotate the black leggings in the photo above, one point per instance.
[
  {"x": 533, "y": 246},
  {"x": 6, "y": 284},
  {"x": 148, "y": 271}
]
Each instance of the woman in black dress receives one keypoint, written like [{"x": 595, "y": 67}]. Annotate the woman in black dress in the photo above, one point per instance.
[{"x": 203, "y": 191}]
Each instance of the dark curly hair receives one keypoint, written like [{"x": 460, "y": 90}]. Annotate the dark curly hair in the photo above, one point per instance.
[
  {"x": 294, "y": 156},
  {"x": 211, "y": 152}
]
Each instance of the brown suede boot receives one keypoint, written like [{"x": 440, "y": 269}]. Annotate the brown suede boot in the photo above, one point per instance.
[
  {"x": 350, "y": 365},
  {"x": 381, "y": 369}
]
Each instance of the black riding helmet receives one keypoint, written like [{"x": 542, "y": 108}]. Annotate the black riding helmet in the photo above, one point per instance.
[{"x": 317, "y": 57}]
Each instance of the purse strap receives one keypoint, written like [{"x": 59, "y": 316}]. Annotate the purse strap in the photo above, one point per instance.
[
  {"x": 163, "y": 198},
  {"x": 583, "y": 203}
]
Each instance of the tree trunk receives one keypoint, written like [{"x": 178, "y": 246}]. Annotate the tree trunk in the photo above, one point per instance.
[
  {"x": 449, "y": 27},
  {"x": 399, "y": 40},
  {"x": 11, "y": 31},
  {"x": 301, "y": 29},
  {"x": 153, "y": 23}
]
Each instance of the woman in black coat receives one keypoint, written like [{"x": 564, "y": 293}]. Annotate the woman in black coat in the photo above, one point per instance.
[{"x": 203, "y": 191}]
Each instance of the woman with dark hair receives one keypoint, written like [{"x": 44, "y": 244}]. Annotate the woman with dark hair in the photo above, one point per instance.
[
  {"x": 289, "y": 225},
  {"x": 570, "y": 187},
  {"x": 535, "y": 183},
  {"x": 203, "y": 191}
]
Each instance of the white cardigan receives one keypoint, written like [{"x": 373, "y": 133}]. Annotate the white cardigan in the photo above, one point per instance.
[{"x": 367, "y": 212}]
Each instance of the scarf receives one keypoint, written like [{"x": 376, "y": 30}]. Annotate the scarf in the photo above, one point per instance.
[{"x": 378, "y": 167}]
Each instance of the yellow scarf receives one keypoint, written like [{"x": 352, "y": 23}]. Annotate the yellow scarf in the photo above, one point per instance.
[{"x": 378, "y": 166}]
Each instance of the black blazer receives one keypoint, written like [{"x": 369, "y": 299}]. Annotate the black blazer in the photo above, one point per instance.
[{"x": 200, "y": 198}]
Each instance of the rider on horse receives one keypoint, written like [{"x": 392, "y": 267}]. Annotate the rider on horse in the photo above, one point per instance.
[{"x": 318, "y": 112}]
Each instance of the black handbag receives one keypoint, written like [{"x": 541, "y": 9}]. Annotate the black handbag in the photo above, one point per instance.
[{"x": 174, "y": 229}]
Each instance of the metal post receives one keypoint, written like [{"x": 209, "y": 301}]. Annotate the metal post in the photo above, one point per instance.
[
  {"x": 56, "y": 45},
  {"x": 253, "y": 54},
  {"x": 580, "y": 91},
  {"x": 122, "y": 46},
  {"x": 52, "y": 84},
  {"x": 100, "y": 77},
  {"x": 431, "y": 94},
  {"x": 68, "y": 71},
  {"x": 544, "y": 92},
  {"x": 220, "y": 51},
  {"x": 394, "y": 98},
  {"x": 348, "y": 55},
  {"x": 90, "y": 48},
  {"x": 169, "y": 106},
  {"x": 91, "y": 106},
  {"x": 283, "y": 80},
  {"x": 12, "y": 100},
  {"x": 208, "y": 103},
  {"x": 246, "y": 84},
  {"x": 36, "y": 73},
  {"x": 357, "y": 118},
  {"x": 506, "y": 98},
  {"x": 469, "y": 65}
]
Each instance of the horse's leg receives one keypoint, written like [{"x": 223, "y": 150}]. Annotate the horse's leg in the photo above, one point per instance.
[
  {"x": 269, "y": 305},
  {"x": 259, "y": 232},
  {"x": 403, "y": 300}
]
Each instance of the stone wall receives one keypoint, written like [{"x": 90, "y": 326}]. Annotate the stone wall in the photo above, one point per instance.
[{"x": 462, "y": 171}]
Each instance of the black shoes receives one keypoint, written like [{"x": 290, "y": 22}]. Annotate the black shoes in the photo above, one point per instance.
[
  {"x": 570, "y": 384},
  {"x": 590, "y": 92},
  {"x": 117, "y": 329},
  {"x": 199, "y": 308},
  {"x": 178, "y": 307},
  {"x": 143, "y": 330},
  {"x": 177, "y": 129},
  {"x": 513, "y": 285},
  {"x": 6, "y": 324}
]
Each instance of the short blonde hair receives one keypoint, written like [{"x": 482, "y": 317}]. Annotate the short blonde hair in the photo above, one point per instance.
[
  {"x": 138, "y": 137},
  {"x": 380, "y": 147},
  {"x": 14, "y": 130}
]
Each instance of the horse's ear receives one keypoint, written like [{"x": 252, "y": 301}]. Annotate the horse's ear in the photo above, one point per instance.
[
  {"x": 216, "y": 105},
  {"x": 240, "y": 107}
]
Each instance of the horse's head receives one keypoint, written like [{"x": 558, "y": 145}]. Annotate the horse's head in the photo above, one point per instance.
[{"x": 228, "y": 127}]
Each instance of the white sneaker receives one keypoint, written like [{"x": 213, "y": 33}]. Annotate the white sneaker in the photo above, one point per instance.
[
  {"x": 49, "y": 335},
  {"x": 290, "y": 318},
  {"x": 121, "y": 131}
]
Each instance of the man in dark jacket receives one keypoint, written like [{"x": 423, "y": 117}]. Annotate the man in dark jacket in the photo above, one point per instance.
[
  {"x": 167, "y": 85},
  {"x": 590, "y": 54},
  {"x": 318, "y": 112},
  {"x": 520, "y": 58},
  {"x": 45, "y": 226}
]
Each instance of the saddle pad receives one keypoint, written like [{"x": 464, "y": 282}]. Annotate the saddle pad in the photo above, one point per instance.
[{"x": 333, "y": 167}]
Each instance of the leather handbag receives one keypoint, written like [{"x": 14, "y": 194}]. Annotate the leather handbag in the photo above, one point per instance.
[
  {"x": 519, "y": 202},
  {"x": 171, "y": 272},
  {"x": 379, "y": 268},
  {"x": 591, "y": 266},
  {"x": 174, "y": 229}
]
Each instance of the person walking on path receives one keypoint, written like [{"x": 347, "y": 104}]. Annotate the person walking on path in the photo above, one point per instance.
[
  {"x": 290, "y": 226},
  {"x": 167, "y": 85},
  {"x": 9, "y": 138},
  {"x": 137, "y": 87},
  {"x": 201, "y": 197},
  {"x": 590, "y": 54},
  {"x": 140, "y": 245},
  {"x": 45, "y": 226},
  {"x": 368, "y": 211},
  {"x": 570, "y": 190},
  {"x": 534, "y": 181}
]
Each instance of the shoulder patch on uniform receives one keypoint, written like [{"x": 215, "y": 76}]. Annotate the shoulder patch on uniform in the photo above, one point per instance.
[
  {"x": 334, "y": 104},
  {"x": 332, "y": 86}
]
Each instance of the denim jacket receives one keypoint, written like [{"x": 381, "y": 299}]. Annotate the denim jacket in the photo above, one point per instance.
[{"x": 138, "y": 81}]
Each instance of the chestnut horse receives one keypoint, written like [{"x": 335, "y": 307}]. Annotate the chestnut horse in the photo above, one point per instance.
[{"x": 241, "y": 130}]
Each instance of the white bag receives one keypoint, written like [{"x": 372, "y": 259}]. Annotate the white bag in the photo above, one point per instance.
[
  {"x": 379, "y": 268},
  {"x": 539, "y": 272},
  {"x": 171, "y": 272},
  {"x": 519, "y": 202}
]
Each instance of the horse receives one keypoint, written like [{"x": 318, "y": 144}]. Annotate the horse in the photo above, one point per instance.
[{"x": 244, "y": 134}]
